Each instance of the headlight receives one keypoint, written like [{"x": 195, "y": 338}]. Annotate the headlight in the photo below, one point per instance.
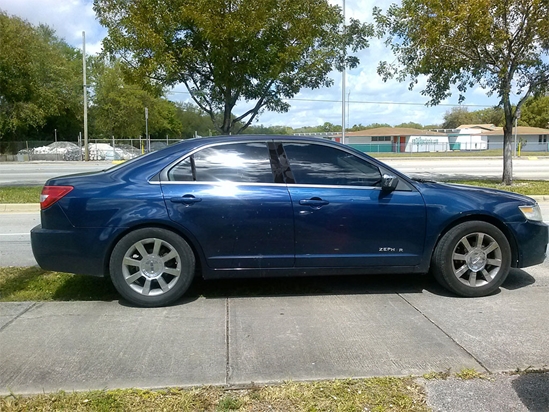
[{"x": 531, "y": 212}]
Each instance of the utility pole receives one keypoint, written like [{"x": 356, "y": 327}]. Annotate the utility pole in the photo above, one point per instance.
[
  {"x": 343, "y": 76},
  {"x": 86, "y": 148}
]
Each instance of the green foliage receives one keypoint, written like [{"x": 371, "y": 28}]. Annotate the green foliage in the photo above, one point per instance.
[
  {"x": 280, "y": 130},
  {"x": 469, "y": 374},
  {"x": 458, "y": 116},
  {"x": 118, "y": 107},
  {"x": 40, "y": 81},
  {"x": 225, "y": 51},
  {"x": 194, "y": 120},
  {"x": 373, "y": 394},
  {"x": 20, "y": 194},
  {"x": 33, "y": 283},
  {"x": 229, "y": 403},
  {"x": 411, "y": 125},
  {"x": 535, "y": 112},
  {"x": 499, "y": 45},
  {"x": 523, "y": 187},
  {"x": 377, "y": 125}
]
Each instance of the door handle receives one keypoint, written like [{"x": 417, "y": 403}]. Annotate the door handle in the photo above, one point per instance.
[
  {"x": 187, "y": 199},
  {"x": 315, "y": 202}
]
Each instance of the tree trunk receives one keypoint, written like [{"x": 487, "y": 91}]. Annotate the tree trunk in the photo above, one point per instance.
[{"x": 508, "y": 151}]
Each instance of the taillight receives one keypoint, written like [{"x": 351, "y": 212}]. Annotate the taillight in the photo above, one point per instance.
[{"x": 51, "y": 194}]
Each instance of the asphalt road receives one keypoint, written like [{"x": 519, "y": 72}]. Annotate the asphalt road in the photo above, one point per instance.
[
  {"x": 478, "y": 168},
  {"x": 15, "y": 248},
  {"x": 36, "y": 173}
]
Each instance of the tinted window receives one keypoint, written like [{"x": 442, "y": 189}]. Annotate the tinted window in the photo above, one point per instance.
[
  {"x": 323, "y": 165},
  {"x": 237, "y": 162}
]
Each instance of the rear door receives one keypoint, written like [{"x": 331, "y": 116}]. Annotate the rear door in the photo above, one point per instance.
[
  {"x": 227, "y": 197},
  {"x": 343, "y": 218}
]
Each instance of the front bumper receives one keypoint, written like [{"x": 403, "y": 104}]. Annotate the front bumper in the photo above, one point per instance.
[{"x": 532, "y": 238}]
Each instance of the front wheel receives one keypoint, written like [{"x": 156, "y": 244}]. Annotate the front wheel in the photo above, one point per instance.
[
  {"x": 152, "y": 267},
  {"x": 472, "y": 259}
]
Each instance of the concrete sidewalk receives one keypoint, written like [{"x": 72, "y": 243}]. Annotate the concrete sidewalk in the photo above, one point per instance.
[{"x": 358, "y": 327}]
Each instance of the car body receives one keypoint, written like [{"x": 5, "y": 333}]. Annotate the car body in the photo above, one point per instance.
[{"x": 245, "y": 206}]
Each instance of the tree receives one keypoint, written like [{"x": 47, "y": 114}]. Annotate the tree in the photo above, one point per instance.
[
  {"x": 499, "y": 45},
  {"x": 377, "y": 125},
  {"x": 535, "y": 112},
  {"x": 194, "y": 120},
  {"x": 118, "y": 108},
  {"x": 261, "y": 52},
  {"x": 40, "y": 80},
  {"x": 457, "y": 116},
  {"x": 411, "y": 125},
  {"x": 281, "y": 130},
  {"x": 490, "y": 115}
]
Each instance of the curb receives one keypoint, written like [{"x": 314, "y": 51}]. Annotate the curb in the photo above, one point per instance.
[
  {"x": 19, "y": 207},
  {"x": 539, "y": 198}
]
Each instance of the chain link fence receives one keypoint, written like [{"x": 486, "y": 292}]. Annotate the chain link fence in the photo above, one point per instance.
[
  {"x": 124, "y": 149},
  {"x": 98, "y": 149}
]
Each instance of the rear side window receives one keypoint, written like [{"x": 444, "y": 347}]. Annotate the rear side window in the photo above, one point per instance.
[
  {"x": 316, "y": 164},
  {"x": 234, "y": 162}
]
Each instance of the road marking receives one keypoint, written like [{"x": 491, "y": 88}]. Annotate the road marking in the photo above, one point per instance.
[{"x": 14, "y": 234}]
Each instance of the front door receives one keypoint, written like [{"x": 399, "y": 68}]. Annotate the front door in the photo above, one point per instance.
[{"x": 343, "y": 218}]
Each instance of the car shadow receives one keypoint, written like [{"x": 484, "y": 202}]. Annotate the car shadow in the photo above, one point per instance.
[
  {"x": 327, "y": 285},
  {"x": 518, "y": 279},
  {"x": 533, "y": 390},
  {"x": 314, "y": 285},
  {"x": 332, "y": 285}
]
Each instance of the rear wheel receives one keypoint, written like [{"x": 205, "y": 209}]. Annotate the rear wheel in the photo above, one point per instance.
[
  {"x": 152, "y": 267},
  {"x": 472, "y": 259}
]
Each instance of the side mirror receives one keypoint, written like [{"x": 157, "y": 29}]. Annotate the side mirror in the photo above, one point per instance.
[{"x": 389, "y": 183}]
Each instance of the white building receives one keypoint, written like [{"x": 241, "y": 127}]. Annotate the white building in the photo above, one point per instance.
[
  {"x": 484, "y": 136},
  {"x": 396, "y": 140}
]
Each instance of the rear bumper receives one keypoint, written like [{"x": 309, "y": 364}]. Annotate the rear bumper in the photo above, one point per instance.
[
  {"x": 532, "y": 239},
  {"x": 80, "y": 251}
]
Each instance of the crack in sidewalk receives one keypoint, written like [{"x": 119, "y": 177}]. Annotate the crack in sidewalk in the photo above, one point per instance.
[{"x": 445, "y": 333}]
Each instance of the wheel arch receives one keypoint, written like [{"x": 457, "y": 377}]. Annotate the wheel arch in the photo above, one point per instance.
[
  {"x": 481, "y": 218},
  {"x": 193, "y": 243}
]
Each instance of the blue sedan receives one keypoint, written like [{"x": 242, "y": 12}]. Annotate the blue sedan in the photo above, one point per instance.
[{"x": 249, "y": 206}]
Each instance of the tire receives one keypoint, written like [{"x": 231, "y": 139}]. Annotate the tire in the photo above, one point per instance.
[
  {"x": 152, "y": 267},
  {"x": 472, "y": 259}
]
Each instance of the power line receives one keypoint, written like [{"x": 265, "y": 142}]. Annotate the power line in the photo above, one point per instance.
[{"x": 370, "y": 102}]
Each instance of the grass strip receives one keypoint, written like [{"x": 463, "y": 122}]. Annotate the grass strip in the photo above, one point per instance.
[
  {"x": 456, "y": 153},
  {"x": 34, "y": 284},
  {"x": 374, "y": 394},
  {"x": 20, "y": 194},
  {"x": 19, "y": 284},
  {"x": 523, "y": 187}
]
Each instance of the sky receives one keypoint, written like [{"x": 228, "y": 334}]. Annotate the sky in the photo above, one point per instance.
[{"x": 370, "y": 100}]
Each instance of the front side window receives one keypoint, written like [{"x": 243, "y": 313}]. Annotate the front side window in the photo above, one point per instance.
[
  {"x": 317, "y": 164},
  {"x": 235, "y": 162}
]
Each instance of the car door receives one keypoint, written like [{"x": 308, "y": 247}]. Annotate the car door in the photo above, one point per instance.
[
  {"x": 343, "y": 218},
  {"x": 226, "y": 196}
]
